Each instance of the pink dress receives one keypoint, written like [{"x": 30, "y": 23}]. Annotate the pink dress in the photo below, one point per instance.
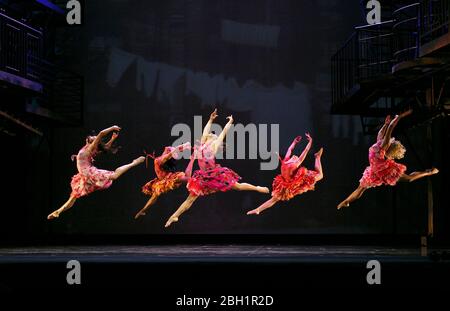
[
  {"x": 292, "y": 182},
  {"x": 165, "y": 181},
  {"x": 211, "y": 177},
  {"x": 381, "y": 171},
  {"x": 89, "y": 178}
]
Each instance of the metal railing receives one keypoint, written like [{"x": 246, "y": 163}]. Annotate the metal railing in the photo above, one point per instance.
[
  {"x": 365, "y": 55},
  {"x": 18, "y": 42},
  {"x": 434, "y": 19},
  {"x": 406, "y": 32}
]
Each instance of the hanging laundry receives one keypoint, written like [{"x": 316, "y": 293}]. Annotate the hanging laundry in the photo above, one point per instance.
[
  {"x": 168, "y": 77},
  {"x": 146, "y": 74},
  {"x": 119, "y": 62},
  {"x": 250, "y": 34}
]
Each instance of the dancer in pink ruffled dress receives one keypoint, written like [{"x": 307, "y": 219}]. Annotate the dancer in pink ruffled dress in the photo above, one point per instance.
[
  {"x": 294, "y": 179},
  {"x": 383, "y": 170},
  {"x": 211, "y": 177},
  {"x": 90, "y": 178}
]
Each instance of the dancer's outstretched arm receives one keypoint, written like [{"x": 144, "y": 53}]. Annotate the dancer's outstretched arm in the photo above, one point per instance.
[
  {"x": 112, "y": 139},
  {"x": 163, "y": 159},
  {"x": 392, "y": 125},
  {"x": 102, "y": 135},
  {"x": 207, "y": 128},
  {"x": 222, "y": 135},
  {"x": 383, "y": 129},
  {"x": 305, "y": 152},
  {"x": 291, "y": 147}
]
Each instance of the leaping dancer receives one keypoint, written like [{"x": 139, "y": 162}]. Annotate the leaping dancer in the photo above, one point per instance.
[
  {"x": 294, "y": 178},
  {"x": 90, "y": 178},
  {"x": 211, "y": 177},
  {"x": 167, "y": 178},
  {"x": 383, "y": 170}
]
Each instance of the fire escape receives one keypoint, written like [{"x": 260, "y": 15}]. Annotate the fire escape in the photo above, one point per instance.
[
  {"x": 35, "y": 91},
  {"x": 398, "y": 63}
]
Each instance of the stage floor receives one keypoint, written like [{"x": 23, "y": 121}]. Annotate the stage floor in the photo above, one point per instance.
[
  {"x": 213, "y": 253},
  {"x": 223, "y": 266}
]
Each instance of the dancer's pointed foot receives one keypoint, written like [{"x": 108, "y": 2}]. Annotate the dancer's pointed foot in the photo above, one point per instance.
[
  {"x": 433, "y": 171},
  {"x": 139, "y": 214},
  {"x": 53, "y": 215},
  {"x": 255, "y": 211},
  {"x": 263, "y": 189},
  {"x": 343, "y": 204},
  {"x": 139, "y": 160},
  {"x": 319, "y": 153},
  {"x": 170, "y": 221}
]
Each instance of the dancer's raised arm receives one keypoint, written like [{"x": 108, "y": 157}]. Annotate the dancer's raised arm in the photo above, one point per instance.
[
  {"x": 306, "y": 150},
  {"x": 111, "y": 140},
  {"x": 218, "y": 142},
  {"x": 102, "y": 135},
  {"x": 291, "y": 147},
  {"x": 383, "y": 129},
  {"x": 390, "y": 129},
  {"x": 207, "y": 128}
]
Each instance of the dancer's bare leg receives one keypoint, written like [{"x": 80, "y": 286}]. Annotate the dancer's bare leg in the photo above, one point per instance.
[
  {"x": 318, "y": 164},
  {"x": 63, "y": 208},
  {"x": 268, "y": 204},
  {"x": 249, "y": 187},
  {"x": 183, "y": 208},
  {"x": 352, "y": 197},
  {"x": 417, "y": 175},
  {"x": 150, "y": 202},
  {"x": 120, "y": 170}
]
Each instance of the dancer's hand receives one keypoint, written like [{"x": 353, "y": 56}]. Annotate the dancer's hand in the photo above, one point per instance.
[
  {"x": 115, "y": 128},
  {"x": 114, "y": 135},
  {"x": 230, "y": 119},
  {"x": 308, "y": 136},
  {"x": 297, "y": 139},
  {"x": 213, "y": 115}
]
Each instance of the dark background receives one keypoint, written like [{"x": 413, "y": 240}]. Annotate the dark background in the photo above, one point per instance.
[{"x": 187, "y": 35}]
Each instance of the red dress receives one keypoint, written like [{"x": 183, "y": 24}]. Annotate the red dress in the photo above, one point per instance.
[
  {"x": 89, "y": 178},
  {"x": 165, "y": 180},
  {"x": 211, "y": 177},
  {"x": 292, "y": 182},
  {"x": 381, "y": 171}
]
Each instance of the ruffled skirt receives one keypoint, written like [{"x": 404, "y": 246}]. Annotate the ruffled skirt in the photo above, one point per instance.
[
  {"x": 158, "y": 186},
  {"x": 218, "y": 178},
  {"x": 91, "y": 180},
  {"x": 284, "y": 190}
]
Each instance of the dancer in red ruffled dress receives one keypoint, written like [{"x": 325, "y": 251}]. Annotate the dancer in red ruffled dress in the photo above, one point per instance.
[
  {"x": 90, "y": 178},
  {"x": 383, "y": 170},
  {"x": 167, "y": 179},
  {"x": 211, "y": 177},
  {"x": 294, "y": 178}
]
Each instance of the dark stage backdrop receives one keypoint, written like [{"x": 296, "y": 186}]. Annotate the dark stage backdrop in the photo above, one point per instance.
[{"x": 149, "y": 65}]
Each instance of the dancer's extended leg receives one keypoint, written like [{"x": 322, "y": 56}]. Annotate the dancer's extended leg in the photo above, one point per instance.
[
  {"x": 150, "y": 202},
  {"x": 69, "y": 203},
  {"x": 183, "y": 208},
  {"x": 120, "y": 170},
  {"x": 249, "y": 187},
  {"x": 352, "y": 197},
  {"x": 268, "y": 204},
  {"x": 417, "y": 175}
]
